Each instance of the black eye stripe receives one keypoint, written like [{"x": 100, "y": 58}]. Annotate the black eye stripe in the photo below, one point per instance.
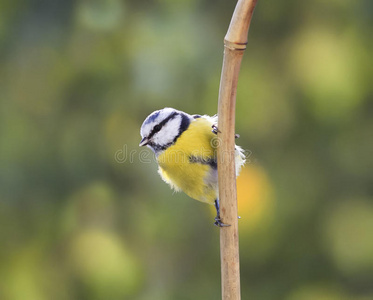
[{"x": 159, "y": 126}]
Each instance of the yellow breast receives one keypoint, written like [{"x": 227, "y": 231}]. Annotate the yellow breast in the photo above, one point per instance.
[{"x": 183, "y": 165}]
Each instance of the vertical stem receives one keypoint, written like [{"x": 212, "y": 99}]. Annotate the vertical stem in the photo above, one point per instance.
[
  {"x": 235, "y": 43},
  {"x": 229, "y": 251}
]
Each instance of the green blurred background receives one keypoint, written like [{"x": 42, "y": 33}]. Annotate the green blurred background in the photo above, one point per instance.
[{"x": 84, "y": 214}]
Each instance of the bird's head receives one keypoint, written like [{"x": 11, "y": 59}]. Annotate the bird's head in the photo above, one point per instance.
[{"x": 162, "y": 128}]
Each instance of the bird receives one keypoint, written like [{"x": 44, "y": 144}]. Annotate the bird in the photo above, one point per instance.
[{"x": 185, "y": 147}]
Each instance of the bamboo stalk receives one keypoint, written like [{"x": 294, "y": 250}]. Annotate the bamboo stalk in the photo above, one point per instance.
[{"x": 234, "y": 46}]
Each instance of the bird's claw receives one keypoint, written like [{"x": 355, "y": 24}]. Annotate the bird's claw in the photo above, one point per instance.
[
  {"x": 219, "y": 223},
  {"x": 215, "y": 130}
]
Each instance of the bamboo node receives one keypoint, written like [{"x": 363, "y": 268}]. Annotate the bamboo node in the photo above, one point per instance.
[{"x": 234, "y": 45}]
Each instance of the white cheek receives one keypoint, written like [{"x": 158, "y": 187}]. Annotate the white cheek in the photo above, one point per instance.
[{"x": 168, "y": 132}]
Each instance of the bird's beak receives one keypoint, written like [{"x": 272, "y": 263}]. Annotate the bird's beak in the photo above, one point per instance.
[{"x": 144, "y": 142}]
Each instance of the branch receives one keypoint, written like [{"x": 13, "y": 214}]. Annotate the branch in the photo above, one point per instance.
[{"x": 234, "y": 46}]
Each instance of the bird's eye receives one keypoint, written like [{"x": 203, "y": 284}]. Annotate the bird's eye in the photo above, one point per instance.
[{"x": 157, "y": 127}]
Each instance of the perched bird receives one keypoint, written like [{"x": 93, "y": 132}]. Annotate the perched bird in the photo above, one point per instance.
[{"x": 186, "y": 151}]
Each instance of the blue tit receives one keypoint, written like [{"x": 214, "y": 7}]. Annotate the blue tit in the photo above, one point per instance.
[{"x": 185, "y": 147}]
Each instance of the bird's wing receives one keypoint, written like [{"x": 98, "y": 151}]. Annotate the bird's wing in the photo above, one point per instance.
[{"x": 239, "y": 152}]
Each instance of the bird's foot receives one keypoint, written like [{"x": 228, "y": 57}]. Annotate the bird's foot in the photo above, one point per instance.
[
  {"x": 219, "y": 223},
  {"x": 215, "y": 130}
]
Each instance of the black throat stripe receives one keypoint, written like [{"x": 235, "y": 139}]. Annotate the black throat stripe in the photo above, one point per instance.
[{"x": 183, "y": 126}]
